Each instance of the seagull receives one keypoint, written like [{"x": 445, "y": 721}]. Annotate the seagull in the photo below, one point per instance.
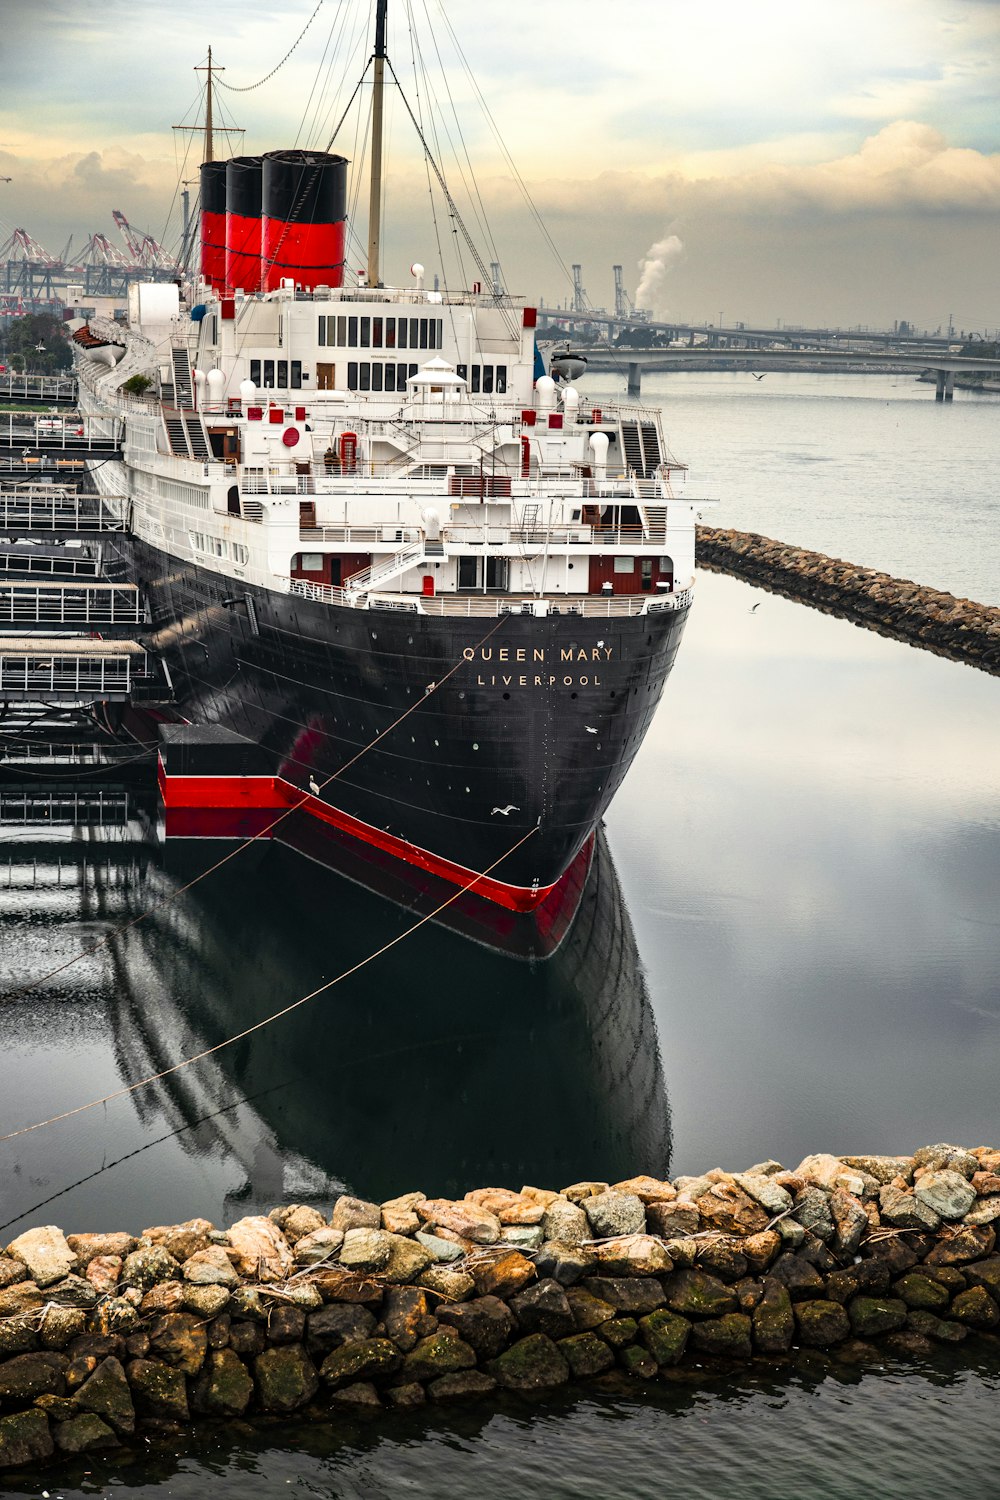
[
  {"x": 753, "y": 607},
  {"x": 314, "y": 786},
  {"x": 589, "y": 729},
  {"x": 756, "y": 376},
  {"x": 505, "y": 811}
]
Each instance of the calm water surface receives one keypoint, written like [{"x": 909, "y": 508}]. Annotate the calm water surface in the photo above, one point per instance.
[{"x": 789, "y": 942}]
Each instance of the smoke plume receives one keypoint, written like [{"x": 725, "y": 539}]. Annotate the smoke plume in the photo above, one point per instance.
[{"x": 654, "y": 268}]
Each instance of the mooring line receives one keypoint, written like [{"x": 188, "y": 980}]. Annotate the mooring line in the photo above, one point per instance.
[
  {"x": 276, "y": 1015},
  {"x": 261, "y": 833}
]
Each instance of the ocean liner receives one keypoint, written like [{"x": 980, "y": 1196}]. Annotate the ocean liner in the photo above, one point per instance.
[{"x": 430, "y": 585}]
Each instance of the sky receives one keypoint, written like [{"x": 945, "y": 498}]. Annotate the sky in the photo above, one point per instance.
[{"x": 816, "y": 162}]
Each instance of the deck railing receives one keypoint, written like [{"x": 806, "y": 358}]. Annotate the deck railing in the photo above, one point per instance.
[{"x": 590, "y": 606}]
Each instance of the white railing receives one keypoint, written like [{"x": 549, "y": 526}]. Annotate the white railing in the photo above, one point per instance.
[
  {"x": 38, "y": 387},
  {"x": 591, "y": 606},
  {"x": 55, "y": 509},
  {"x": 69, "y": 604},
  {"x": 46, "y": 675}
]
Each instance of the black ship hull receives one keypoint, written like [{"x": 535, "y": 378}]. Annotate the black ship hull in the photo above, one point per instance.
[{"x": 468, "y": 746}]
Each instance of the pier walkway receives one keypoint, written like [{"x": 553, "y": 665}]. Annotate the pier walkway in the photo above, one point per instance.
[{"x": 46, "y": 390}]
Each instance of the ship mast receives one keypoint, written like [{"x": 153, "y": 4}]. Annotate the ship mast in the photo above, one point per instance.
[
  {"x": 209, "y": 137},
  {"x": 375, "y": 196}
]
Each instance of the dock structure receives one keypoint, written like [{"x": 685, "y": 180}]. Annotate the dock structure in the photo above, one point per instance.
[
  {"x": 46, "y": 390},
  {"x": 30, "y": 507},
  {"x": 77, "y": 669}
]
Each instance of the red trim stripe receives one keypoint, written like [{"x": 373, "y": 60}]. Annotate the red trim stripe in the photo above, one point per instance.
[{"x": 211, "y": 794}]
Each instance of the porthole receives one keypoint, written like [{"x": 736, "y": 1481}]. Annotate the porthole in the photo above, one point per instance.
[
  {"x": 461, "y": 695},
  {"x": 506, "y": 695},
  {"x": 474, "y": 745}
]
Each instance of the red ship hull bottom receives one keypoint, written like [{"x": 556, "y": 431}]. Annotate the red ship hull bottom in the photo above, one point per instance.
[{"x": 227, "y": 806}]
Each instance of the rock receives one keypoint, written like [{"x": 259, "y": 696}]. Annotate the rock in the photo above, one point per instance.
[
  {"x": 947, "y": 1158},
  {"x": 80, "y": 1369},
  {"x": 455, "y": 1286},
  {"x": 917, "y": 1290},
  {"x": 18, "y": 1334},
  {"x": 646, "y": 1189},
  {"x": 665, "y": 1335},
  {"x": 509, "y": 1207},
  {"x": 29, "y": 1375},
  {"x": 792, "y": 1233},
  {"x": 179, "y": 1339},
  {"x": 586, "y": 1354},
  {"x": 297, "y": 1220},
  {"x": 73, "y": 1291},
  {"x": 103, "y": 1272},
  {"x": 366, "y": 1249},
  {"x": 45, "y": 1253},
  {"x": 361, "y": 1399},
  {"x": 748, "y": 1294},
  {"x": 985, "y": 1274},
  {"x": 773, "y": 1320},
  {"x": 873, "y": 1315},
  {"x": 107, "y": 1394},
  {"x": 148, "y": 1266},
  {"x": 905, "y": 1211},
  {"x": 224, "y": 1387},
  {"x": 976, "y": 1308},
  {"x": 972, "y": 1243},
  {"x": 850, "y": 1222},
  {"x": 544, "y": 1309},
  {"x": 532, "y": 1364},
  {"x": 894, "y": 1251},
  {"x": 439, "y": 1354},
  {"x": 683, "y": 1253},
  {"x": 286, "y": 1324},
  {"x": 882, "y": 1168},
  {"x": 463, "y": 1385},
  {"x": 115, "y": 1316},
  {"x": 637, "y": 1362},
  {"x": 210, "y": 1267},
  {"x": 827, "y": 1171},
  {"x": 286, "y": 1378},
  {"x": 866, "y": 1276},
  {"x": 942, "y": 1330},
  {"x": 360, "y": 1360},
  {"x": 407, "y": 1316},
  {"x": 764, "y": 1191},
  {"x": 247, "y": 1304},
  {"x": 485, "y": 1323},
  {"x": 11, "y": 1271},
  {"x": 339, "y": 1323},
  {"x": 355, "y": 1213},
  {"x": 90, "y": 1247},
  {"x": 720, "y": 1258},
  {"x": 821, "y": 1323},
  {"x": 338, "y": 1284},
  {"x": 728, "y": 1209},
  {"x": 406, "y": 1397},
  {"x": 407, "y": 1260},
  {"x": 672, "y": 1220},
  {"x": 628, "y": 1294},
  {"x": 24, "y": 1439},
  {"x": 503, "y": 1275},
  {"x": 465, "y": 1219},
  {"x": 260, "y": 1250},
  {"x": 59, "y": 1325},
  {"x": 158, "y": 1390},
  {"x": 577, "y": 1191},
  {"x": 246, "y": 1339},
  {"x": 398, "y": 1220},
  {"x": 611, "y": 1213},
  {"x": 727, "y": 1337},
  {"x": 812, "y": 1209},
  {"x": 986, "y": 1210},
  {"x": 760, "y": 1250},
  {"x": 83, "y": 1433},
  {"x": 633, "y": 1255},
  {"x": 947, "y": 1194},
  {"x": 694, "y": 1294},
  {"x": 588, "y": 1311},
  {"x": 166, "y": 1297},
  {"x": 618, "y": 1332},
  {"x": 205, "y": 1301},
  {"x": 565, "y": 1223},
  {"x": 567, "y": 1264},
  {"x": 181, "y": 1240},
  {"x": 440, "y": 1251},
  {"x": 545, "y": 1196}
]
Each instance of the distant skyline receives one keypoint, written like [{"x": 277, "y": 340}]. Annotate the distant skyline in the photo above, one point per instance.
[{"x": 832, "y": 163}]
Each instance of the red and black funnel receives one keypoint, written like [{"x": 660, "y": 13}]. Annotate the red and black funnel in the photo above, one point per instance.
[
  {"x": 243, "y": 229},
  {"x": 304, "y": 208},
  {"x": 213, "y": 222}
]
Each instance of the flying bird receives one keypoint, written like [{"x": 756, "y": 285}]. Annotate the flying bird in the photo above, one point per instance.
[
  {"x": 505, "y": 811},
  {"x": 756, "y": 376},
  {"x": 589, "y": 730},
  {"x": 754, "y": 607}
]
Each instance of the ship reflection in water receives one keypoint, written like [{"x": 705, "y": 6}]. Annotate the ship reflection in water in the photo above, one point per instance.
[{"x": 466, "y": 1055}]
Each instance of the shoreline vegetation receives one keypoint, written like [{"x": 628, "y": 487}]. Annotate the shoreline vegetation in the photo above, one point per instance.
[
  {"x": 959, "y": 629},
  {"x": 110, "y": 1342}
]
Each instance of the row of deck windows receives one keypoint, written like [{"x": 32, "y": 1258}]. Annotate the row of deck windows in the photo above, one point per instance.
[
  {"x": 337, "y": 332},
  {"x": 273, "y": 374},
  {"x": 486, "y": 379}
]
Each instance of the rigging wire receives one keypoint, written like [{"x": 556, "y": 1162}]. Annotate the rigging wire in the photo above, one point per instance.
[
  {"x": 248, "y": 88},
  {"x": 275, "y": 1015}
]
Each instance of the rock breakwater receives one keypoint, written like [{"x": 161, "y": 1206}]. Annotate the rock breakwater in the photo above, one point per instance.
[
  {"x": 110, "y": 1339},
  {"x": 959, "y": 629}
]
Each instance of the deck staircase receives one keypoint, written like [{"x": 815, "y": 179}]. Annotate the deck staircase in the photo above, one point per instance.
[
  {"x": 386, "y": 568},
  {"x": 173, "y": 421},
  {"x": 197, "y": 437},
  {"x": 654, "y": 522},
  {"x": 183, "y": 385}
]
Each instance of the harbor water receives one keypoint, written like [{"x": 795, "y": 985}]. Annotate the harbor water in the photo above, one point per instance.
[{"x": 788, "y": 943}]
